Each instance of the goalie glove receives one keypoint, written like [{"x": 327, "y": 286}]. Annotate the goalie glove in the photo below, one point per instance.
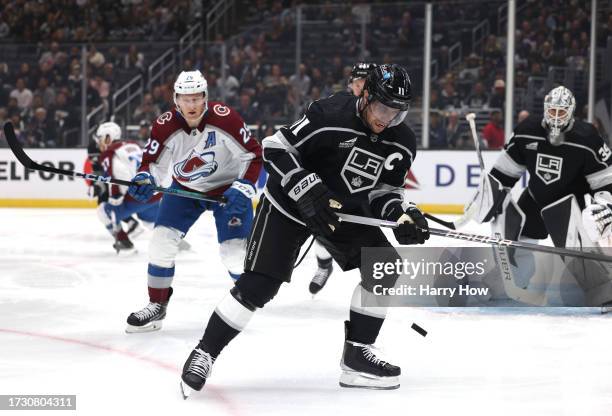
[
  {"x": 488, "y": 201},
  {"x": 597, "y": 216}
]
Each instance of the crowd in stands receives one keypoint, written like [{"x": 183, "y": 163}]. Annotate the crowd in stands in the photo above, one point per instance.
[
  {"x": 40, "y": 92},
  {"x": 261, "y": 80}
]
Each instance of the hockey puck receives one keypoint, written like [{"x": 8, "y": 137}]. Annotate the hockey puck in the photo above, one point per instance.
[{"x": 419, "y": 329}]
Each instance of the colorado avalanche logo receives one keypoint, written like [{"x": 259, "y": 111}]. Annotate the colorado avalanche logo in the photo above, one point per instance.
[
  {"x": 196, "y": 166},
  {"x": 221, "y": 110}
]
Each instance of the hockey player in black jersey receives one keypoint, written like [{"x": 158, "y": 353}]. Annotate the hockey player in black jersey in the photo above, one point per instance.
[
  {"x": 566, "y": 158},
  {"x": 325, "y": 261},
  {"x": 341, "y": 156}
]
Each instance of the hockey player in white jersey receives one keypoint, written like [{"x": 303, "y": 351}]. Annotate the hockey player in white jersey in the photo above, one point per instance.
[
  {"x": 121, "y": 159},
  {"x": 208, "y": 148}
]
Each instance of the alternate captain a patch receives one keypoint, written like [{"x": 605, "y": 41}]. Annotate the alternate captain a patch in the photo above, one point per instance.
[
  {"x": 361, "y": 170},
  {"x": 548, "y": 168}
]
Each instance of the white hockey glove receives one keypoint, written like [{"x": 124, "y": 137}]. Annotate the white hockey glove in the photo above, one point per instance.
[
  {"x": 597, "y": 217},
  {"x": 487, "y": 203}
]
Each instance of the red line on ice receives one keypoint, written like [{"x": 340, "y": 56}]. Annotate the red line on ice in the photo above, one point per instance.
[{"x": 225, "y": 401}]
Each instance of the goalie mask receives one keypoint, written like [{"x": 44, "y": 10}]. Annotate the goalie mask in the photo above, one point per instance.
[
  {"x": 559, "y": 106},
  {"x": 389, "y": 95},
  {"x": 187, "y": 84},
  {"x": 106, "y": 134}
]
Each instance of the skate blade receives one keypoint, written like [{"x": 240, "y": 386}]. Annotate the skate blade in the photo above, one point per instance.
[
  {"x": 606, "y": 309},
  {"x": 126, "y": 252},
  {"x": 186, "y": 390},
  {"x": 353, "y": 379},
  {"x": 150, "y": 327}
]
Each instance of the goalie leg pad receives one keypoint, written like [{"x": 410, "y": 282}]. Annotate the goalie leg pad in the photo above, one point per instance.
[
  {"x": 488, "y": 200},
  {"x": 563, "y": 219}
]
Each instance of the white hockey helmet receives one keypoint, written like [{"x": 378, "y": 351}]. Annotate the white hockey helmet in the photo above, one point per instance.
[
  {"x": 191, "y": 82},
  {"x": 108, "y": 129},
  {"x": 559, "y": 106}
]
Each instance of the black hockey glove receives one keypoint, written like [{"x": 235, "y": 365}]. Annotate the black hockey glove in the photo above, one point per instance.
[
  {"x": 413, "y": 227},
  {"x": 315, "y": 203}
]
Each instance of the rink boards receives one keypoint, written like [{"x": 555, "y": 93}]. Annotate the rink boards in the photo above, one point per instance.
[{"x": 440, "y": 181}]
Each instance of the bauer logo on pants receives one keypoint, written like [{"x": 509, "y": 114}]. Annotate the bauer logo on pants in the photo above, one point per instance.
[
  {"x": 361, "y": 170},
  {"x": 548, "y": 168}
]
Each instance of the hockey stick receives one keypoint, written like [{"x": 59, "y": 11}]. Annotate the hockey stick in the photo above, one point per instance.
[
  {"x": 471, "y": 119},
  {"x": 495, "y": 241},
  {"x": 467, "y": 216},
  {"x": 25, "y": 160}
]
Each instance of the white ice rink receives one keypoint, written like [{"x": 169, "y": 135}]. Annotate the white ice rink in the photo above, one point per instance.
[{"x": 65, "y": 296}]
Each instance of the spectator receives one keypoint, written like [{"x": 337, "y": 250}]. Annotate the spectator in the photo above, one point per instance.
[
  {"x": 101, "y": 86},
  {"x": 455, "y": 132},
  {"x": 478, "y": 98},
  {"x": 248, "y": 111},
  {"x": 498, "y": 98},
  {"x": 134, "y": 59},
  {"x": 63, "y": 115},
  {"x": 405, "y": 33},
  {"x": 46, "y": 92},
  {"x": 95, "y": 58},
  {"x": 547, "y": 55},
  {"x": 522, "y": 116},
  {"x": 492, "y": 51},
  {"x": 144, "y": 132},
  {"x": 13, "y": 108},
  {"x": 276, "y": 90},
  {"x": 22, "y": 94},
  {"x": 449, "y": 98},
  {"x": 19, "y": 127},
  {"x": 437, "y": 132},
  {"x": 27, "y": 74},
  {"x": 147, "y": 110},
  {"x": 3, "y": 116},
  {"x": 5, "y": 29},
  {"x": 472, "y": 68},
  {"x": 299, "y": 85},
  {"x": 50, "y": 56},
  {"x": 42, "y": 132},
  {"x": 493, "y": 132}
]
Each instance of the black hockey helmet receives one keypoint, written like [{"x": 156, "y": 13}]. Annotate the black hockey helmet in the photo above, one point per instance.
[
  {"x": 390, "y": 85},
  {"x": 362, "y": 70}
]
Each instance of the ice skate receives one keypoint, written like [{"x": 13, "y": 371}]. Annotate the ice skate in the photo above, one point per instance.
[
  {"x": 361, "y": 368},
  {"x": 196, "y": 370},
  {"x": 147, "y": 319},
  {"x": 123, "y": 244},
  {"x": 324, "y": 270}
]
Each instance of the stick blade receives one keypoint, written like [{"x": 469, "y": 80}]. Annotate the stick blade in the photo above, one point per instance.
[{"x": 16, "y": 148}]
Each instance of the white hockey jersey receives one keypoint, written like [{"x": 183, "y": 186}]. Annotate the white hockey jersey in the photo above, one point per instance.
[{"x": 207, "y": 158}]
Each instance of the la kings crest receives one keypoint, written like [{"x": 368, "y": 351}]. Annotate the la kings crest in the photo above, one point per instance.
[
  {"x": 548, "y": 168},
  {"x": 361, "y": 170}
]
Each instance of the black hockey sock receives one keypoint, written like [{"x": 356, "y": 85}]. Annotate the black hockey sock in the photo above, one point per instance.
[
  {"x": 217, "y": 335},
  {"x": 324, "y": 263},
  {"x": 363, "y": 328}
]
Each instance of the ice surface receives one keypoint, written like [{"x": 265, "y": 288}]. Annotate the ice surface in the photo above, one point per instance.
[{"x": 65, "y": 295}]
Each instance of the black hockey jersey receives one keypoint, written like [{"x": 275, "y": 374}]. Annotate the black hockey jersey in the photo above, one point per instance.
[
  {"x": 581, "y": 164},
  {"x": 363, "y": 170}
]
